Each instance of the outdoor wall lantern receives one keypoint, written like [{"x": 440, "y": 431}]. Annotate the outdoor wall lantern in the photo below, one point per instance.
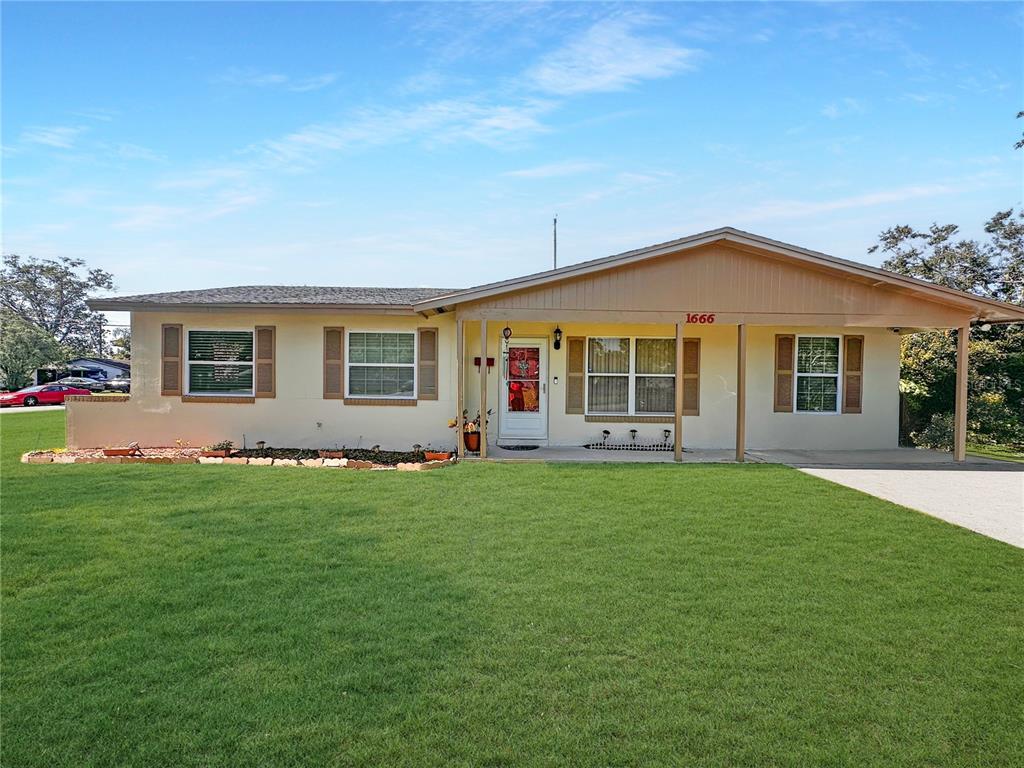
[
  {"x": 506, "y": 333},
  {"x": 558, "y": 337}
]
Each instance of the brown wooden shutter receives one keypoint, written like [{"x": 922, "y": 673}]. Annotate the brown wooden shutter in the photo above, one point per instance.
[
  {"x": 575, "y": 373},
  {"x": 170, "y": 359},
  {"x": 266, "y": 376},
  {"x": 691, "y": 377},
  {"x": 426, "y": 374},
  {"x": 334, "y": 363},
  {"x": 853, "y": 373},
  {"x": 785, "y": 358}
]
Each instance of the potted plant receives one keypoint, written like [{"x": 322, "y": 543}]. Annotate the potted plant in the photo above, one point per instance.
[
  {"x": 432, "y": 455},
  {"x": 470, "y": 430},
  {"x": 337, "y": 453},
  {"x": 221, "y": 449}
]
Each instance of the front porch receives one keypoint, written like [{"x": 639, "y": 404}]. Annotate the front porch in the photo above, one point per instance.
[{"x": 894, "y": 458}]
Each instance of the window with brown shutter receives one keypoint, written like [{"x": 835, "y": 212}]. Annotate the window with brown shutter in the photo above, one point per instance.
[
  {"x": 170, "y": 359},
  {"x": 266, "y": 377},
  {"x": 784, "y": 361},
  {"x": 426, "y": 376},
  {"x": 334, "y": 363},
  {"x": 575, "y": 375},
  {"x": 853, "y": 373},
  {"x": 691, "y": 377}
]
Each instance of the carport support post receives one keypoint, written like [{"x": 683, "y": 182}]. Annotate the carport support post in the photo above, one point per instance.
[
  {"x": 483, "y": 389},
  {"x": 678, "y": 446},
  {"x": 741, "y": 390},
  {"x": 460, "y": 398},
  {"x": 960, "y": 428}
]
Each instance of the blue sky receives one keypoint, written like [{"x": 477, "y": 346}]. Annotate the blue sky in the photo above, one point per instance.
[{"x": 193, "y": 145}]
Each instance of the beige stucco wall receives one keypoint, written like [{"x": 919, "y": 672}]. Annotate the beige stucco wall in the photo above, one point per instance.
[{"x": 299, "y": 416}]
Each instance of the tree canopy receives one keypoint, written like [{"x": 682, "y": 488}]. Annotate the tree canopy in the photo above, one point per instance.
[{"x": 51, "y": 294}]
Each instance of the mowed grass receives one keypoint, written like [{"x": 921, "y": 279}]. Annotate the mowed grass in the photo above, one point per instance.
[{"x": 512, "y": 615}]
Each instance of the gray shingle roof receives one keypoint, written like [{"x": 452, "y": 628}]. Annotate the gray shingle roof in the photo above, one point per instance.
[{"x": 279, "y": 295}]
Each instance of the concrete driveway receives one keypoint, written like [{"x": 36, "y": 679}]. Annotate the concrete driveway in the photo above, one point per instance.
[{"x": 984, "y": 495}]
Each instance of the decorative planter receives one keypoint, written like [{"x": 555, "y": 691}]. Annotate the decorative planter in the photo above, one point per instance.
[
  {"x": 472, "y": 441},
  {"x": 223, "y": 454},
  {"x": 118, "y": 451},
  {"x": 437, "y": 455},
  {"x": 331, "y": 454}
]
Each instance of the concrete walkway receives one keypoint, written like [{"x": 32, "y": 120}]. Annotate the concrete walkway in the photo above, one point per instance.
[{"x": 34, "y": 409}]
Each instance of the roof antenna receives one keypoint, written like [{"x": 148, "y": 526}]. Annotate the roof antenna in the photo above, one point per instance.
[{"x": 554, "y": 238}]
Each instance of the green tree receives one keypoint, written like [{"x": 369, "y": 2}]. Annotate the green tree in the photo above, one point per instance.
[
  {"x": 51, "y": 294},
  {"x": 23, "y": 348},
  {"x": 121, "y": 344},
  {"x": 996, "y": 374}
]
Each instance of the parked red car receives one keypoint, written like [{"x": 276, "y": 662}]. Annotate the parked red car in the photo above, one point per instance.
[{"x": 42, "y": 394}]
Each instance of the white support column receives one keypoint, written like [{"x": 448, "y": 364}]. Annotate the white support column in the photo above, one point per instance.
[
  {"x": 678, "y": 445},
  {"x": 960, "y": 420},
  {"x": 460, "y": 395},
  {"x": 741, "y": 391},
  {"x": 483, "y": 389}
]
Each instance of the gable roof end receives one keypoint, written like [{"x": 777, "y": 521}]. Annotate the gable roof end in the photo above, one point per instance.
[{"x": 987, "y": 309}]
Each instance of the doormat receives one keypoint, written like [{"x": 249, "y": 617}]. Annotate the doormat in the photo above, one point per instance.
[
  {"x": 519, "y": 447},
  {"x": 630, "y": 446}
]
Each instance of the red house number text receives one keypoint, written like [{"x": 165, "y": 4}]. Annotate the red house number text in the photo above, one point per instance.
[{"x": 704, "y": 317}]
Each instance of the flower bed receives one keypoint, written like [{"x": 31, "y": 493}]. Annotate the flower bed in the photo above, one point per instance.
[{"x": 277, "y": 457}]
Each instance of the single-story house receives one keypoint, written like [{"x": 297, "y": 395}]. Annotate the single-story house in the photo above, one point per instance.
[
  {"x": 723, "y": 339},
  {"x": 99, "y": 368}
]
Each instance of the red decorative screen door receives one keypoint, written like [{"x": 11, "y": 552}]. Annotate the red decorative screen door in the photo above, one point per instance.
[{"x": 523, "y": 408}]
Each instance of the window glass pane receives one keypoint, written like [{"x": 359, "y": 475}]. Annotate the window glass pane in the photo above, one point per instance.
[
  {"x": 816, "y": 393},
  {"x": 220, "y": 379},
  {"x": 608, "y": 394},
  {"x": 391, "y": 348},
  {"x": 818, "y": 355},
  {"x": 608, "y": 356},
  {"x": 655, "y": 355},
  {"x": 655, "y": 394},
  {"x": 220, "y": 346},
  {"x": 381, "y": 381}
]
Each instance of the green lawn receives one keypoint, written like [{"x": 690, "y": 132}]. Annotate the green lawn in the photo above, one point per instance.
[
  {"x": 1001, "y": 452},
  {"x": 505, "y": 615}
]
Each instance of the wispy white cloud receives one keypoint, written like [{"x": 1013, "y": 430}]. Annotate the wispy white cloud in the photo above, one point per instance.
[
  {"x": 100, "y": 114},
  {"x": 788, "y": 209},
  {"x": 203, "y": 178},
  {"x": 844, "y": 107},
  {"x": 255, "y": 78},
  {"x": 610, "y": 56},
  {"x": 57, "y": 136},
  {"x": 434, "y": 122},
  {"x": 551, "y": 170}
]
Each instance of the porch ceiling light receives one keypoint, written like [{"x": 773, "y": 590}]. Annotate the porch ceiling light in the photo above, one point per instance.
[{"x": 558, "y": 337}]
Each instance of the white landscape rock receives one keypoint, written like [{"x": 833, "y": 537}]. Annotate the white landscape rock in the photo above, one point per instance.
[
  {"x": 312, "y": 462},
  {"x": 258, "y": 462},
  {"x": 211, "y": 459},
  {"x": 334, "y": 463},
  {"x": 285, "y": 463}
]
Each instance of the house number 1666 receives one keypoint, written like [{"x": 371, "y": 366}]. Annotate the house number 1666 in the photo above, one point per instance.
[{"x": 704, "y": 317}]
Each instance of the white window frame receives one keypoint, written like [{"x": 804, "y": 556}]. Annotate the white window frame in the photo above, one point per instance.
[
  {"x": 188, "y": 362},
  {"x": 838, "y": 374},
  {"x": 415, "y": 364},
  {"x": 632, "y": 375}
]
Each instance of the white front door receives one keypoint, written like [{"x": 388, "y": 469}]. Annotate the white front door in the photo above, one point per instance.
[{"x": 524, "y": 391}]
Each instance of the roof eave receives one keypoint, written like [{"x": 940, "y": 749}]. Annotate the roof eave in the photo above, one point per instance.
[{"x": 112, "y": 305}]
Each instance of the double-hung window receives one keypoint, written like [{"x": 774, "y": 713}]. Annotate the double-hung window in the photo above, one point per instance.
[
  {"x": 628, "y": 376},
  {"x": 220, "y": 362},
  {"x": 381, "y": 364},
  {"x": 817, "y": 374}
]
